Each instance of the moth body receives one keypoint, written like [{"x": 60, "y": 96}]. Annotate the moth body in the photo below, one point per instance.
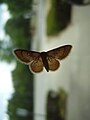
[
  {"x": 38, "y": 60},
  {"x": 44, "y": 60}
]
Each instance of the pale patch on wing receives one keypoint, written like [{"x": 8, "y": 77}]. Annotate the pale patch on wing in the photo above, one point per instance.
[
  {"x": 26, "y": 56},
  {"x": 53, "y": 64},
  {"x": 36, "y": 66},
  {"x": 60, "y": 52}
]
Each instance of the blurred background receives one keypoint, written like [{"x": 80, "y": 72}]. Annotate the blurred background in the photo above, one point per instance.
[{"x": 42, "y": 25}]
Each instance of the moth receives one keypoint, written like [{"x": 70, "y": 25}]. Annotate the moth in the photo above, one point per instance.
[{"x": 49, "y": 60}]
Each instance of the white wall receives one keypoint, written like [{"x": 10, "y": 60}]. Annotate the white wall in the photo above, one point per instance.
[
  {"x": 73, "y": 74},
  {"x": 79, "y": 99}
]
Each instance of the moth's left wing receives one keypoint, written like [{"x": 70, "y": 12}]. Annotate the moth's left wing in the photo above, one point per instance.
[
  {"x": 36, "y": 66},
  {"x": 60, "y": 52},
  {"x": 26, "y": 56}
]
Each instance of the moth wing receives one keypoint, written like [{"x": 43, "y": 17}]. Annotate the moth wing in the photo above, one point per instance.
[
  {"x": 60, "y": 52},
  {"x": 36, "y": 66},
  {"x": 26, "y": 56},
  {"x": 53, "y": 64}
]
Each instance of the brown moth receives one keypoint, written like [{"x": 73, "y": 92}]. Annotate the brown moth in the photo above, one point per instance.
[{"x": 38, "y": 60}]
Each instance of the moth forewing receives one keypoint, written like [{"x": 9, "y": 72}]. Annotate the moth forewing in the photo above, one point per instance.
[
  {"x": 66, "y": 52},
  {"x": 20, "y": 57},
  {"x": 60, "y": 52},
  {"x": 25, "y": 56}
]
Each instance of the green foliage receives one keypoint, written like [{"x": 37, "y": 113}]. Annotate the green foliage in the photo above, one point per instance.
[
  {"x": 6, "y": 51},
  {"x": 62, "y": 103},
  {"x": 58, "y": 17},
  {"x": 18, "y": 30},
  {"x": 23, "y": 96},
  {"x": 19, "y": 33},
  {"x": 17, "y": 27},
  {"x": 1, "y": 1},
  {"x": 56, "y": 105},
  {"x": 19, "y": 102},
  {"x": 18, "y": 8},
  {"x": 22, "y": 76}
]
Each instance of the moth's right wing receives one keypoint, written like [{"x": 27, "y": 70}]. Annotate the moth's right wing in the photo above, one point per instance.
[{"x": 60, "y": 52}]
